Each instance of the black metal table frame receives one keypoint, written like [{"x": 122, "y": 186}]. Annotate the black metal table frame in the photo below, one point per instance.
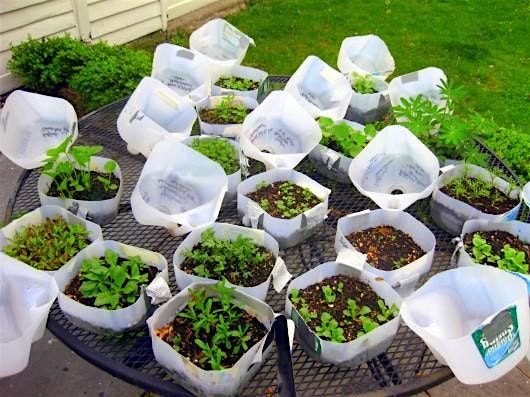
[{"x": 390, "y": 374}]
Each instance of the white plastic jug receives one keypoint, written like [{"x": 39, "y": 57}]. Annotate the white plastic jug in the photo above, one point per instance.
[
  {"x": 153, "y": 112},
  {"x": 320, "y": 89},
  {"x": 474, "y": 319},
  {"x": 279, "y": 133},
  {"x": 221, "y": 44},
  {"x": 26, "y": 296},
  {"x": 424, "y": 82},
  {"x": 244, "y": 72},
  {"x": 526, "y": 194},
  {"x": 182, "y": 70},
  {"x": 365, "y": 55},
  {"x": 395, "y": 169},
  {"x": 179, "y": 189},
  {"x": 31, "y": 124}
]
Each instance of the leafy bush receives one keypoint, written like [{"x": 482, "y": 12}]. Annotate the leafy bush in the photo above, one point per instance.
[
  {"x": 180, "y": 38},
  {"x": 105, "y": 79},
  {"x": 46, "y": 64}
]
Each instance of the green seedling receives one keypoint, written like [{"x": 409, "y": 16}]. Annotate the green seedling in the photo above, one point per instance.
[
  {"x": 242, "y": 336},
  {"x": 368, "y": 325},
  {"x": 295, "y": 296},
  {"x": 220, "y": 151},
  {"x": 306, "y": 314},
  {"x": 230, "y": 111},
  {"x": 513, "y": 260},
  {"x": 363, "y": 84},
  {"x": 354, "y": 311},
  {"x": 329, "y": 328},
  {"x": 237, "y": 83},
  {"x": 329, "y": 295},
  {"x": 386, "y": 313},
  {"x": 343, "y": 137},
  {"x": 400, "y": 262},
  {"x": 212, "y": 354}
]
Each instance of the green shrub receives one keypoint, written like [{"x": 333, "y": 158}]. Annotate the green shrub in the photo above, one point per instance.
[
  {"x": 110, "y": 75},
  {"x": 46, "y": 64},
  {"x": 180, "y": 38}
]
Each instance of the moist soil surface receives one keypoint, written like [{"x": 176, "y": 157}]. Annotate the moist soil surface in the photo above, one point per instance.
[
  {"x": 97, "y": 192},
  {"x": 72, "y": 289},
  {"x": 498, "y": 239},
  {"x": 488, "y": 205},
  {"x": 352, "y": 289},
  {"x": 294, "y": 200},
  {"x": 222, "y": 83},
  {"x": 183, "y": 327},
  {"x": 210, "y": 116},
  {"x": 386, "y": 247},
  {"x": 258, "y": 274}
]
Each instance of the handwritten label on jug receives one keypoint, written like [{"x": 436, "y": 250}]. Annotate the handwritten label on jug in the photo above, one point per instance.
[
  {"x": 180, "y": 82},
  {"x": 278, "y": 137},
  {"x": 178, "y": 192},
  {"x": 499, "y": 338},
  {"x": 52, "y": 132},
  {"x": 232, "y": 36}
]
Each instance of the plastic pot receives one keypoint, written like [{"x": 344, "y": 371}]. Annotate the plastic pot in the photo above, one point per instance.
[{"x": 367, "y": 108}]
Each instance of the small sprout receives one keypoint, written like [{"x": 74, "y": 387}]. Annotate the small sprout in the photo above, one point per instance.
[{"x": 329, "y": 295}]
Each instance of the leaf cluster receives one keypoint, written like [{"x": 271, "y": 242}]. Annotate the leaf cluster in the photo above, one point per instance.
[
  {"x": 343, "y": 137},
  {"x": 112, "y": 281},
  {"x": 68, "y": 166},
  {"x": 363, "y": 84},
  {"x": 220, "y": 151},
  {"x": 230, "y": 111},
  {"x": 288, "y": 204},
  {"x": 234, "y": 260},
  {"x": 237, "y": 83},
  {"x": 49, "y": 245},
  {"x": 510, "y": 259}
]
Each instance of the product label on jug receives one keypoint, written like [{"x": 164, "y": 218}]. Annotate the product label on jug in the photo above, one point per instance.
[{"x": 499, "y": 338}]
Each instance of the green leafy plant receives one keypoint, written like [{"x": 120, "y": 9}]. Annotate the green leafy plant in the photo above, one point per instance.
[
  {"x": 295, "y": 296},
  {"x": 112, "y": 281},
  {"x": 220, "y": 151},
  {"x": 354, "y": 311},
  {"x": 212, "y": 354},
  {"x": 367, "y": 324},
  {"x": 386, "y": 313},
  {"x": 399, "y": 263},
  {"x": 509, "y": 258},
  {"x": 68, "y": 167},
  {"x": 363, "y": 84},
  {"x": 513, "y": 260},
  {"x": 49, "y": 245},
  {"x": 329, "y": 328},
  {"x": 306, "y": 314},
  {"x": 228, "y": 110},
  {"x": 340, "y": 287},
  {"x": 342, "y": 137},
  {"x": 237, "y": 83},
  {"x": 482, "y": 251},
  {"x": 329, "y": 295}
]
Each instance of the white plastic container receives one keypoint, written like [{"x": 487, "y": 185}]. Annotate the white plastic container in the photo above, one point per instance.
[
  {"x": 31, "y": 124},
  {"x": 234, "y": 179},
  {"x": 474, "y": 319},
  {"x": 26, "y": 296},
  {"x": 100, "y": 211},
  {"x": 183, "y": 71},
  {"x": 221, "y": 44},
  {"x": 288, "y": 232},
  {"x": 366, "y": 54},
  {"x": 367, "y": 108},
  {"x": 199, "y": 381},
  {"x": 279, "y": 274},
  {"x": 104, "y": 321},
  {"x": 360, "y": 350},
  {"x": 179, "y": 189},
  {"x": 279, "y": 133},
  {"x": 450, "y": 213},
  {"x": 526, "y": 194},
  {"x": 225, "y": 130},
  {"x": 519, "y": 229},
  {"x": 320, "y": 89},
  {"x": 36, "y": 217},
  {"x": 424, "y": 82},
  {"x": 153, "y": 112},
  {"x": 404, "y": 279},
  {"x": 395, "y": 169},
  {"x": 244, "y": 72},
  {"x": 330, "y": 163}
]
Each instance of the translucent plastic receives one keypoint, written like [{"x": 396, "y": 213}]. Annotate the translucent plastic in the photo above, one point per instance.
[
  {"x": 242, "y": 72},
  {"x": 395, "y": 169},
  {"x": 320, "y": 89},
  {"x": 367, "y": 108},
  {"x": 31, "y": 124}
]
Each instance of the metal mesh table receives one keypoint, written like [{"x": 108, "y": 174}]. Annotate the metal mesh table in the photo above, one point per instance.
[{"x": 407, "y": 366}]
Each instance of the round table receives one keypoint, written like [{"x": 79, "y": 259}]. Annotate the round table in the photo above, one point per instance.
[{"x": 405, "y": 368}]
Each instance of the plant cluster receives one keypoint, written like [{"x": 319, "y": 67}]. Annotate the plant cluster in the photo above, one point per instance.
[
  {"x": 237, "y": 83},
  {"x": 113, "y": 282},
  {"x": 446, "y": 134},
  {"x": 344, "y": 138},
  {"x": 49, "y": 245},
  {"x": 68, "y": 167},
  {"x": 363, "y": 84},
  {"x": 219, "y": 324},
  {"x": 220, "y": 151},
  {"x": 287, "y": 200},
  {"x": 228, "y": 110},
  {"x": 510, "y": 259},
  {"x": 239, "y": 260}
]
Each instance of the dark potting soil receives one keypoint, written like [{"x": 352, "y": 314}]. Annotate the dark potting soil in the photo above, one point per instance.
[
  {"x": 72, "y": 289},
  {"x": 231, "y": 273},
  {"x": 183, "y": 328},
  {"x": 498, "y": 239},
  {"x": 386, "y": 247},
  {"x": 210, "y": 116},
  {"x": 352, "y": 289},
  {"x": 495, "y": 202},
  {"x": 222, "y": 83},
  {"x": 96, "y": 193},
  {"x": 284, "y": 202}
]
